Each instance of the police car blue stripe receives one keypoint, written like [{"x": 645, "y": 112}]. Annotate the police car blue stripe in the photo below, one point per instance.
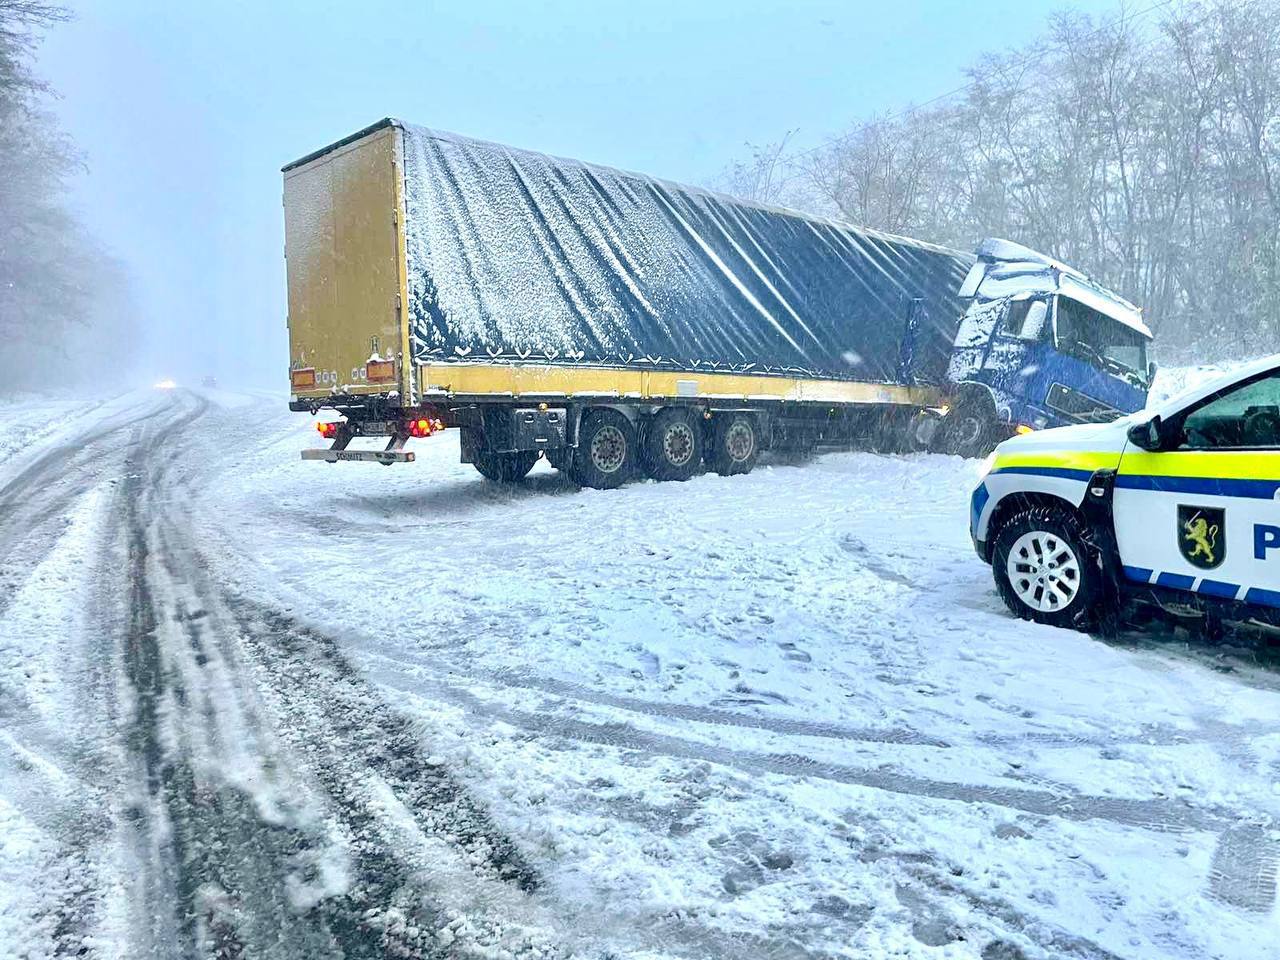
[
  {"x": 1218, "y": 588},
  {"x": 1141, "y": 574},
  {"x": 1210, "y": 486},
  {"x": 1175, "y": 580},
  {"x": 976, "y": 505},
  {"x": 1265, "y": 598},
  {"x": 1063, "y": 472}
]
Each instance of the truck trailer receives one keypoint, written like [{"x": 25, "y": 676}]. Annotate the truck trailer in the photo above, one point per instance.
[{"x": 618, "y": 324}]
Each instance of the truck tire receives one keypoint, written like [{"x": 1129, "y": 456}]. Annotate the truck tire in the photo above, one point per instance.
[
  {"x": 672, "y": 445},
  {"x": 607, "y": 450},
  {"x": 922, "y": 431},
  {"x": 735, "y": 444},
  {"x": 505, "y": 467},
  {"x": 1045, "y": 571},
  {"x": 968, "y": 430}
]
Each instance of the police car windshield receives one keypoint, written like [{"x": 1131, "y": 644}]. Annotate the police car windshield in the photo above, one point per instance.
[{"x": 1106, "y": 341}]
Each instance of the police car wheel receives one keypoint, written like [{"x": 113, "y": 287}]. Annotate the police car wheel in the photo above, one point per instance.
[{"x": 1043, "y": 571}]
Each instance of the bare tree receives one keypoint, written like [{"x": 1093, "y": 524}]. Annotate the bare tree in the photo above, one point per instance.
[
  {"x": 57, "y": 288},
  {"x": 1147, "y": 153}
]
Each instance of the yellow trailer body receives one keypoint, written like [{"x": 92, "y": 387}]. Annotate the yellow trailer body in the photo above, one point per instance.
[{"x": 345, "y": 264}]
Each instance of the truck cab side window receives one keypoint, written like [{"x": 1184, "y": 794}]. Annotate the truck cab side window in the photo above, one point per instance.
[
  {"x": 1246, "y": 417},
  {"x": 1026, "y": 319}
]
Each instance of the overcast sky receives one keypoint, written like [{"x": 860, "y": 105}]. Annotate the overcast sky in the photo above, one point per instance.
[{"x": 186, "y": 112}]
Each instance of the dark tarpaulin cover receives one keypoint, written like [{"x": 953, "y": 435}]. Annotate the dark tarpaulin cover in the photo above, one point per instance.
[{"x": 518, "y": 256}]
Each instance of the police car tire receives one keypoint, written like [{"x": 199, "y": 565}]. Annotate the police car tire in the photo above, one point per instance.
[
  {"x": 1081, "y": 612},
  {"x": 505, "y": 467}
]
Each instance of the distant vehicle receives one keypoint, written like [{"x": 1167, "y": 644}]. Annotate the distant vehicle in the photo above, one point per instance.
[
  {"x": 1180, "y": 507},
  {"x": 165, "y": 384},
  {"x": 617, "y": 323},
  {"x": 208, "y": 381}
]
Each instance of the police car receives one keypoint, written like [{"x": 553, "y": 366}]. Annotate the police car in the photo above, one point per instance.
[{"x": 1179, "y": 505}]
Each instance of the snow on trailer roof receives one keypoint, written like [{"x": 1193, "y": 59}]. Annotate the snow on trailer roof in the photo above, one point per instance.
[{"x": 519, "y": 257}]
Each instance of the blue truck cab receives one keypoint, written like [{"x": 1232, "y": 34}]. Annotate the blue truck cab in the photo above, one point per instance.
[{"x": 1040, "y": 345}]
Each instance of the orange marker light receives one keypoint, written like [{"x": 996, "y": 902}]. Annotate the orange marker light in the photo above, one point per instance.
[{"x": 1022, "y": 430}]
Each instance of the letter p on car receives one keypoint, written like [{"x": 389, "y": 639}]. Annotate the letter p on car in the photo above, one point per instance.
[{"x": 1265, "y": 537}]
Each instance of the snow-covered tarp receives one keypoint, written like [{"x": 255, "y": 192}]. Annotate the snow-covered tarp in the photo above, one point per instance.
[{"x": 523, "y": 257}]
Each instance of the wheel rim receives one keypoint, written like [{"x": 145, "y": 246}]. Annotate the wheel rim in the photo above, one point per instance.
[
  {"x": 1044, "y": 571},
  {"x": 677, "y": 444},
  {"x": 968, "y": 431},
  {"x": 608, "y": 449},
  {"x": 739, "y": 441}
]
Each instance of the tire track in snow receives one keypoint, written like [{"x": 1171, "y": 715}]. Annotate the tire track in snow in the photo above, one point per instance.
[
  {"x": 230, "y": 873},
  {"x": 1237, "y": 867},
  {"x": 711, "y": 715},
  {"x": 1244, "y": 868}
]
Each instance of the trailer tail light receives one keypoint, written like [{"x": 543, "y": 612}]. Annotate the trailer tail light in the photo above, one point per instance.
[
  {"x": 424, "y": 427},
  {"x": 380, "y": 371},
  {"x": 328, "y": 430},
  {"x": 303, "y": 379}
]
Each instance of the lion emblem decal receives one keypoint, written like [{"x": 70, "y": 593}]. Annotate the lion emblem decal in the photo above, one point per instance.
[{"x": 1201, "y": 535}]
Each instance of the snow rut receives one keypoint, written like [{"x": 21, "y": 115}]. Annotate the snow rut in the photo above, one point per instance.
[{"x": 281, "y": 810}]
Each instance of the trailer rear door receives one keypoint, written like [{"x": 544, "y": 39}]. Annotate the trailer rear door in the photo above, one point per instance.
[{"x": 344, "y": 250}]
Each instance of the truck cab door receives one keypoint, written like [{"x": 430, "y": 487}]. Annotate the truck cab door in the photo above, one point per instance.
[
  {"x": 1015, "y": 366},
  {"x": 1204, "y": 515}
]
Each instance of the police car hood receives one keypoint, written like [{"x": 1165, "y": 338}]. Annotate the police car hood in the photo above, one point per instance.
[{"x": 1094, "y": 437}]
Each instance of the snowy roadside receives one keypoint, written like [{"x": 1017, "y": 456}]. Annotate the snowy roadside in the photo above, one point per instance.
[{"x": 786, "y": 706}]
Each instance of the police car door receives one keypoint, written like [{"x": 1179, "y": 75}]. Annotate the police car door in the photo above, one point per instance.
[{"x": 1204, "y": 515}]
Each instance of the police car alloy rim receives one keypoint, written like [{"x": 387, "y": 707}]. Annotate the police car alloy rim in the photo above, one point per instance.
[
  {"x": 608, "y": 449},
  {"x": 1044, "y": 571}
]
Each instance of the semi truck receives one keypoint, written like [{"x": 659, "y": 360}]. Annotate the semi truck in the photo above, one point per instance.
[{"x": 621, "y": 325}]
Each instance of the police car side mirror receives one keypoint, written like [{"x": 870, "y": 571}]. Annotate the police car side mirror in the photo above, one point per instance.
[{"x": 1147, "y": 435}]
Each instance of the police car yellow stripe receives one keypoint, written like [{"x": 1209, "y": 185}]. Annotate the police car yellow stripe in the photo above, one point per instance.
[
  {"x": 1215, "y": 473},
  {"x": 1218, "y": 473},
  {"x": 1070, "y": 464},
  {"x": 1213, "y": 464}
]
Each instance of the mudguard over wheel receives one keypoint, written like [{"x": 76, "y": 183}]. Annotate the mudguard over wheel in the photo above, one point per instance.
[
  {"x": 1045, "y": 570},
  {"x": 734, "y": 443},
  {"x": 672, "y": 445},
  {"x": 607, "y": 451},
  {"x": 505, "y": 467}
]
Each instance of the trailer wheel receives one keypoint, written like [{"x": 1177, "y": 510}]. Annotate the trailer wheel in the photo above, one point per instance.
[
  {"x": 672, "y": 445},
  {"x": 505, "y": 467},
  {"x": 607, "y": 450},
  {"x": 735, "y": 444},
  {"x": 968, "y": 430},
  {"x": 1044, "y": 570}
]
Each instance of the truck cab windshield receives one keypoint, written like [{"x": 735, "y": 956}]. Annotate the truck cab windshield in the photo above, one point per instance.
[{"x": 1101, "y": 340}]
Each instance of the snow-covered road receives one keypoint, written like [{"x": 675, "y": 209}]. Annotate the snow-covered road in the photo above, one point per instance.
[{"x": 255, "y": 707}]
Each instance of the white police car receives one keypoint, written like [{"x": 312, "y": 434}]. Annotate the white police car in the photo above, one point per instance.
[{"x": 1179, "y": 504}]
